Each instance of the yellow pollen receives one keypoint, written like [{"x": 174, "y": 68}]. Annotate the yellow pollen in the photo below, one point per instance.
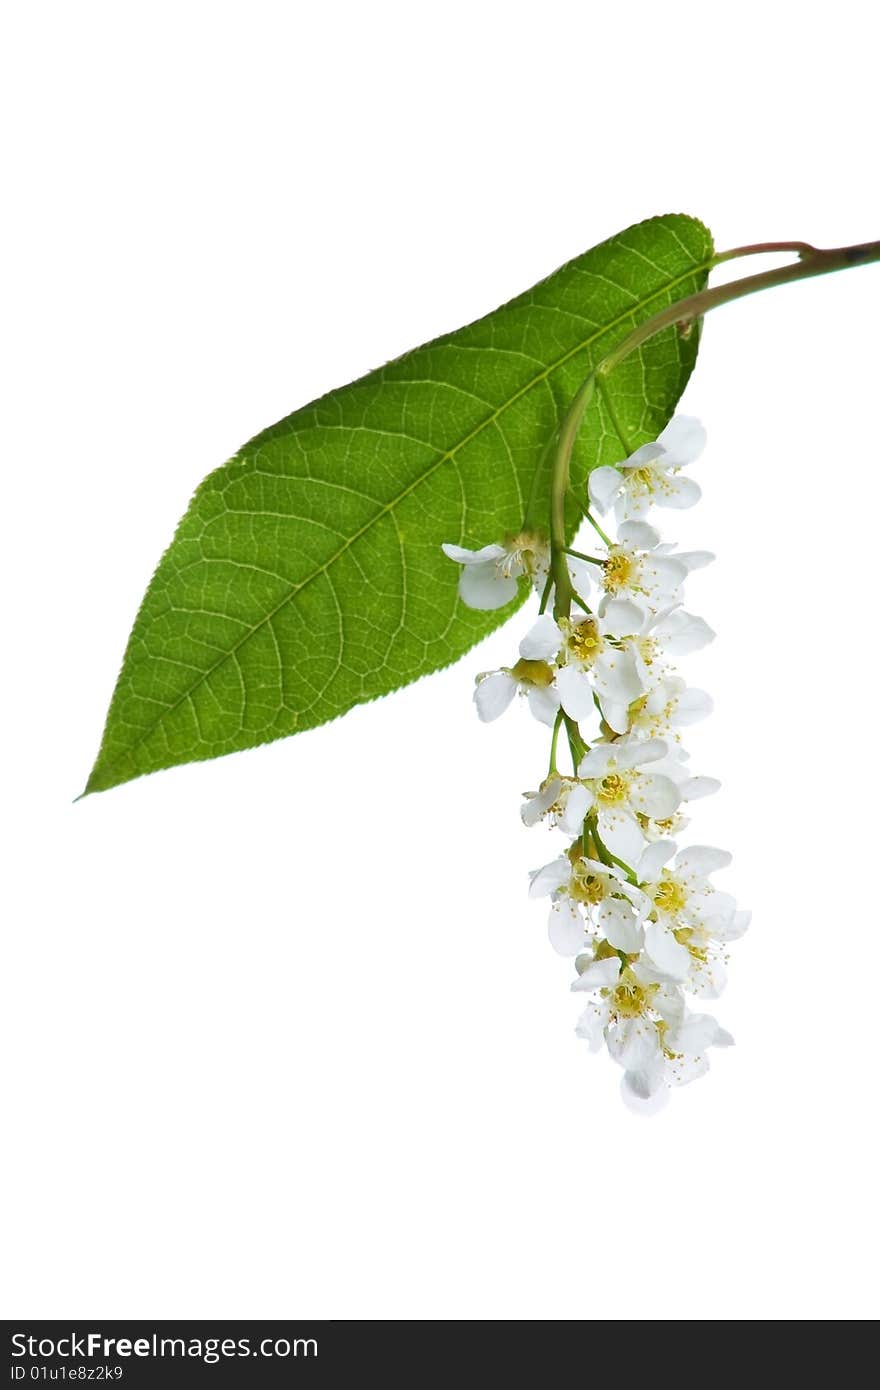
[
  {"x": 613, "y": 789},
  {"x": 630, "y": 999},
  {"x": 670, "y": 896},
  {"x": 584, "y": 642},
  {"x": 619, "y": 571},
  {"x": 587, "y": 888},
  {"x": 644, "y": 475}
]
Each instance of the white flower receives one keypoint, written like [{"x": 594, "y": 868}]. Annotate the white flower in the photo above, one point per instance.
[
  {"x": 590, "y": 662},
  {"x": 642, "y": 568},
  {"x": 692, "y": 919},
  {"x": 582, "y": 887},
  {"x": 623, "y": 791},
  {"x": 668, "y": 706},
  {"x": 650, "y": 475},
  {"x": 671, "y": 632},
  {"x": 534, "y": 679},
  {"x": 489, "y": 576},
  {"x": 645, "y": 1026},
  {"x": 562, "y": 801}
]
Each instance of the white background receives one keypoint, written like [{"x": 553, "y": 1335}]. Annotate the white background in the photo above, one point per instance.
[{"x": 283, "y": 1035}]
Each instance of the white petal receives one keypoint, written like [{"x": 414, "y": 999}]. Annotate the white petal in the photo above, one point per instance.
[
  {"x": 646, "y": 1083},
  {"x": 550, "y": 878},
  {"x": 578, "y": 803},
  {"x": 596, "y": 762},
  {"x": 695, "y": 559},
  {"x": 598, "y": 975},
  {"x": 718, "y": 907},
  {"x": 637, "y": 753},
  {"x": 653, "y": 859},
  {"x": 638, "y": 534},
  {"x": 575, "y": 692},
  {"x": 593, "y": 1021},
  {"x": 700, "y": 860},
  {"x": 616, "y": 677},
  {"x": 696, "y": 1032},
  {"x": 691, "y": 706},
  {"x": 679, "y": 493},
  {"x": 565, "y": 927},
  {"x": 484, "y": 587},
  {"x": 682, "y": 633},
  {"x": 664, "y": 574},
  {"x": 646, "y": 453},
  {"x": 620, "y": 617},
  {"x": 583, "y": 577},
  {"x": 616, "y": 715},
  {"x": 493, "y": 695},
  {"x": 733, "y": 929},
  {"x": 655, "y": 796},
  {"x": 667, "y": 954},
  {"x": 620, "y": 925},
  {"x": 462, "y": 556},
  {"x": 683, "y": 440},
  {"x": 634, "y": 1044},
  {"x": 542, "y": 641},
  {"x": 538, "y": 804},
  {"x": 681, "y": 1071},
  {"x": 604, "y": 485},
  {"x": 621, "y": 833},
  {"x": 692, "y": 788},
  {"x": 543, "y": 702}
]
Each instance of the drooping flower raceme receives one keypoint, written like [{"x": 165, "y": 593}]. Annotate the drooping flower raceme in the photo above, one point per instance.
[{"x": 643, "y": 919}]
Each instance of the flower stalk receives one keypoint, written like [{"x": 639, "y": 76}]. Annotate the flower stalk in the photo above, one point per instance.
[{"x": 644, "y": 922}]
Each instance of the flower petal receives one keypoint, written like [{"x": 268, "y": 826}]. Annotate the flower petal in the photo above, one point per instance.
[
  {"x": 653, "y": 859},
  {"x": 596, "y": 762},
  {"x": 692, "y": 788},
  {"x": 538, "y": 803},
  {"x": 493, "y": 695},
  {"x": 543, "y": 702},
  {"x": 620, "y": 831},
  {"x": 600, "y": 974},
  {"x": 550, "y": 878},
  {"x": 700, "y": 860},
  {"x": 638, "y": 534},
  {"x": 565, "y": 927},
  {"x": 683, "y": 440},
  {"x": 679, "y": 493},
  {"x": 577, "y": 804},
  {"x": 462, "y": 556},
  {"x": 682, "y": 633},
  {"x": 575, "y": 692},
  {"x": 621, "y": 617},
  {"x": 484, "y": 587},
  {"x": 604, "y": 485},
  {"x": 667, "y": 954},
  {"x": 636, "y": 753},
  {"x": 542, "y": 641},
  {"x": 655, "y": 796},
  {"x": 620, "y": 925}
]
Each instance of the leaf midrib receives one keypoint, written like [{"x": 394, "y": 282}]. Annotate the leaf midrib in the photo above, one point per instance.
[{"x": 416, "y": 482}]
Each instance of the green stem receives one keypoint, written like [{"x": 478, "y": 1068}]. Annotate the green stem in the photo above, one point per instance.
[
  {"x": 555, "y": 740},
  {"x": 811, "y": 261},
  {"x": 606, "y": 856},
  {"x": 558, "y": 489},
  {"x": 579, "y": 555}
]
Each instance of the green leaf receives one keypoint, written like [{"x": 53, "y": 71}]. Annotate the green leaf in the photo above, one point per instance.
[{"x": 307, "y": 576}]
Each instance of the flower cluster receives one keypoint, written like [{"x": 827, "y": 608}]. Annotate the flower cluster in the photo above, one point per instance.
[{"x": 642, "y": 918}]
